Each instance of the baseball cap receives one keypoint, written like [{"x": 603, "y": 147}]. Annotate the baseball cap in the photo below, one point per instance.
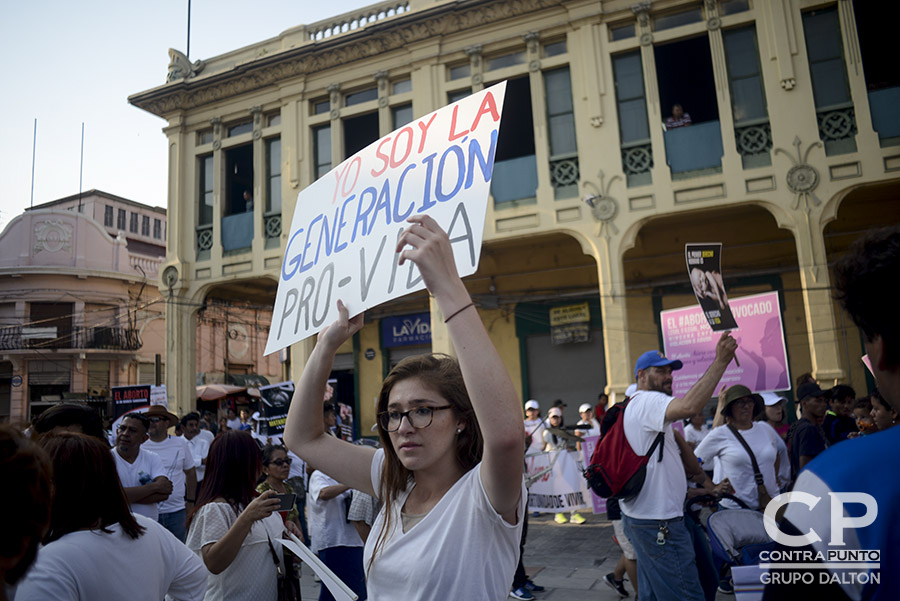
[
  {"x": 585, "y": 407},
  {"x": 655, "y": 359},
  {"x": 809, "y": 389},
  {"x": 555, "y": 412},
  {"x": 771, "y": 398},
  {"x": 532, "y": 404}
]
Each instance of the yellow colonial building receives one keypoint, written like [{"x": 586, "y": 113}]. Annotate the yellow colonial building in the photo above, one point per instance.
[{"x": 784, "y": 147}]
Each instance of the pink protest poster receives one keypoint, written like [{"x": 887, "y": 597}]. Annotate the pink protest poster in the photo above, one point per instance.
[{"x": 760, "y": 336}]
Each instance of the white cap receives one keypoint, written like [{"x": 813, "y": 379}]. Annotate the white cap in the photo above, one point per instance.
[
  {"x": 771, "y": 398},
  {"x": 555, "y": 412},
  {"x": 585, "y": 407},
  {"x": 532, "y": 404},
  {"x": 629, "y": 392}
]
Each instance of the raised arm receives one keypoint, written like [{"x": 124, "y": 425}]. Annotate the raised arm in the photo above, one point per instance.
[
  {"x": 304, "y": 432},
  {"x": 487, "y": 381},
  {"x": 696, "y": 398}
]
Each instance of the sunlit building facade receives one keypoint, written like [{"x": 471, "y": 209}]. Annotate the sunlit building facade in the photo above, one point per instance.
[{"x": 793, "y": 150}]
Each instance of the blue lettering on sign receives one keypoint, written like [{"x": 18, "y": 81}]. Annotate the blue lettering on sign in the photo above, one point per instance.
[{"x": 383, "y": 202}]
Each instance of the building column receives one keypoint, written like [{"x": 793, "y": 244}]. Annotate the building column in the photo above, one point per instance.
[
  {"x": 616, "y": 350},
  {"x": 18, "y": 395},
  {"x": 181, "y": 360},
  {"x": 817, "y": 302}
]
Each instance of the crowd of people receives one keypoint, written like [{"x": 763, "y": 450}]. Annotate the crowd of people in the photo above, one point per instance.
[{"x": 199, "y": 515}]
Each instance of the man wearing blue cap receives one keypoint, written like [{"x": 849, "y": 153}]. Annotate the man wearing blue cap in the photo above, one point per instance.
[{"x": 654, "y": 518}]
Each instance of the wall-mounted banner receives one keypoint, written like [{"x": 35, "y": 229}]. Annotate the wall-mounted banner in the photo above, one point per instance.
[
  {"x": 406, "y": 330},
  {"x": 273, "y": 408},
  {"x": 346, "y": 224},
  {"x": 571, "y": 323},
  {"x": 760, "y": 338},
  {"x": 704, "y": 265}
]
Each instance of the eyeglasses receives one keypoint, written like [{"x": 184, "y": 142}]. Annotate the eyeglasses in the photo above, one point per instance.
[
  {"x": 418, "y": 418},
  {"x": 280, "y": 462}
]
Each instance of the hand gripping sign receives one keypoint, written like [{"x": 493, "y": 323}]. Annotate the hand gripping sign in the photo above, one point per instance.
[{"x": 346, "y": 224}]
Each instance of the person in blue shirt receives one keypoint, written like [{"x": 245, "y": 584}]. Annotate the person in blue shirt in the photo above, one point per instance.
[{"x": 845, "y": 473}]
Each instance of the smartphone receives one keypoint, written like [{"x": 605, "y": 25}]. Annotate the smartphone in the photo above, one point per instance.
[{"x": 287, "y": 501}]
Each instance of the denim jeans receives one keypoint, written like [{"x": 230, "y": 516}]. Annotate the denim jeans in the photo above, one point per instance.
[
  {"x": 174, "y": 523},
  {"x": 665, "y": 572}
]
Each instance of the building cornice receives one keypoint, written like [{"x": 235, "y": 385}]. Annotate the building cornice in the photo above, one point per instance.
[{"x": 373, "y": 40}]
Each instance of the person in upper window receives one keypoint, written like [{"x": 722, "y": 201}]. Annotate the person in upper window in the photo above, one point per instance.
[{"x": 678, "y": 118}]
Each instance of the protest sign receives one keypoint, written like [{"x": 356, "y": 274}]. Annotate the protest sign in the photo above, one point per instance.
[
  {"x": 760, "y": 337},
  {"x": 346, "y": 224},
  {"x": 704, "y": 265},
  {"x": 561, "y": 489},
  {"x": 339, "y": 591},
  {"x": 275, "y": 400},
  {"x": 126, "y": 398}
]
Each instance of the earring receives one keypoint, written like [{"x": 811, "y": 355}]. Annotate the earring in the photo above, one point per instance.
[{"x": 458, "y": 430}]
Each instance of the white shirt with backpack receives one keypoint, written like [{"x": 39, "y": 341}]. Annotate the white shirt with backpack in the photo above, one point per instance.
[{"x": 665, "y": 487}]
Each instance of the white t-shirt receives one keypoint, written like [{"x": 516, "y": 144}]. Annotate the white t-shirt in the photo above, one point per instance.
[
  {"x": 535, "y": 427},
  {"x": 463, "y": 548},
  {"x": 199, "y": 448},
  {"x": 91, "y": 564},
  {"x": 328, "y": 525},
  {"x": 146, "y": 468},
  {"x": 176, "y": 458},
  {"x": 692, "y": 434},
  {"x": 662, "y": 496},
  {"x": 234, "y": 424},
  {"x": 252, "y": 574},
  {"x": 735, "y": 464}
]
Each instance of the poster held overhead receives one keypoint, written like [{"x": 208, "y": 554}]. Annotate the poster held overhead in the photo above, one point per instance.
[
  {"x": 346, "y": 224},
  {"x": 704, "y": 266}
]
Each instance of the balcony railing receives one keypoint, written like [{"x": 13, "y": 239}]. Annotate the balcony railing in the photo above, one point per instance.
[
  {"x": 514, "y": 179},
  {"x": 237, "y": 231},
  {"x": 694, "y": 148},
  {"x": 354, "y": 20},
  {"x": 885, "y": 119},
  {"x": 837, "y": 128},
  {"x": 97, "y": 337}
]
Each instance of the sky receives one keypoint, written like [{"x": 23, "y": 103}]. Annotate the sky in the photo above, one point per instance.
[{"x": 69, "y": 63}]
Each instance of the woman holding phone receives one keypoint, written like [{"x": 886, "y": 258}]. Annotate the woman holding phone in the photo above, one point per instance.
[
  {"x": 450, "y": 472},
  {"x": 234, "y": 529}
]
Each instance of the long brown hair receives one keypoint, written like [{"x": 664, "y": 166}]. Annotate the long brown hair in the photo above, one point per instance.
[
  {"x": 27, "y": 475},
  {"x": 89, "y": 494},
  {"x": 441, "y": 373},
  {"x": 232, "y": 467}
]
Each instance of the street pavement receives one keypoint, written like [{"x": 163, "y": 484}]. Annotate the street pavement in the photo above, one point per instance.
[{"x": 569, "y": 560}]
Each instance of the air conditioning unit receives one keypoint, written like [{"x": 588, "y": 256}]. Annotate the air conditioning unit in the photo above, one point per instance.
[{"x": 97, "y": 392}]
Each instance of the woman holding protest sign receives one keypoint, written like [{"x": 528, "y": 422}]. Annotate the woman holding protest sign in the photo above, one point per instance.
[{"x": 450, "y": 472}]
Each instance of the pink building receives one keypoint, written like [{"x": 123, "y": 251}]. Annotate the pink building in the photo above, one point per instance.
[{"x": 81, "y": 311}]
